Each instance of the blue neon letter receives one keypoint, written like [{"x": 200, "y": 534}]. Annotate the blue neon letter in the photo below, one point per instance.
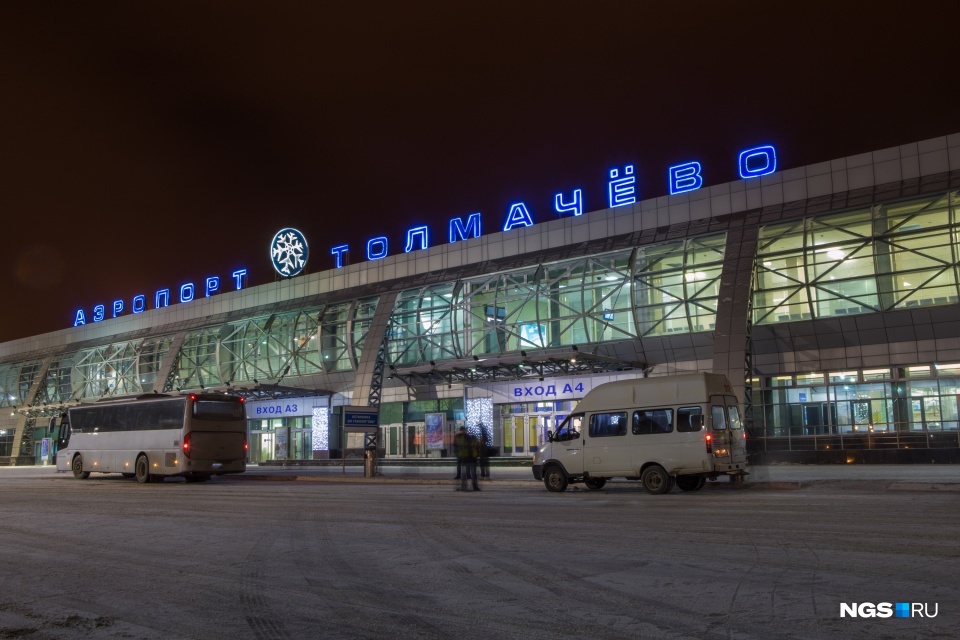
[
  {"x": 413, "y": 233},
  {"x": 338, "y": 254},
  {"x": 758, "y": 161},
  {"x": 575, "y": 206},
  {"x": 684, "y": 177},
  {"x": 518, "y": 217},
  {"x": 79, "y": 319},
  {"x": 381, "y": 248},
  {"x": 117, "y": 307},
  {"x": 99, "y": 312},
  {"x": 139, "y": 303},
  {"x": 186, "y": 292},
  {"x": 240, "y": 275},
  {"x": 213, "y": 285},
  {"x": 165, "y": 294},
  {"x": 622, "y": 190},
  {"x": 461, "y": 231}
]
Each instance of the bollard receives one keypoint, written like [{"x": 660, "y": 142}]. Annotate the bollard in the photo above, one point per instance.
[{"x": 369, "y": 463}]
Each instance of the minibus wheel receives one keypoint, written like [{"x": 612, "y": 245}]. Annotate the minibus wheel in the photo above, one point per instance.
[
  {"x": 691, "y": 483},
  {"x": 77, "y": 467},
  {"x": 554, "y": 479},
  {"x": 656, "y": 480},
  {"x": 595, "y": 483}
]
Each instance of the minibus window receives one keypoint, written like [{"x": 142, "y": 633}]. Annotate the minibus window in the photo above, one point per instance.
[
  {"x": 689, "y": 419},
  {"x": 569, "y": 429},
  {"x": 652, "y": 421},
  {"x": 719, "y": 418},
  {"x": 734, "y": 417},
  {"x": 608, "y": 424}
]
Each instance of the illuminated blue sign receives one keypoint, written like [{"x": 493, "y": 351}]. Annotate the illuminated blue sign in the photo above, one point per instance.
[
  {"x": 758, "y": 161},
  {"x": 518, "y": 217},
  {"x": 377, "y": 248},
  {"x": 461, "y": 231},
  {"x": 575, "y": 206},
  {"x": 161, "y": 299},
  {"x": 289, "y": 252},
  {"x": 684, "y": 177},
  {"x": 622, "y": 190}
]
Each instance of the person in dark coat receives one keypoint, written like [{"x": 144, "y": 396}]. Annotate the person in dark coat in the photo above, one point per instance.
[{"x": 484, "y": 452}]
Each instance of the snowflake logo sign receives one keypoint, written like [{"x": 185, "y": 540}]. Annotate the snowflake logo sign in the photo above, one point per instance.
[{"x": 289, "y": 251}]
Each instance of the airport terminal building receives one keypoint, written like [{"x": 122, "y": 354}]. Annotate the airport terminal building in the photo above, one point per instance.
[{"x": 828, "y": 294}]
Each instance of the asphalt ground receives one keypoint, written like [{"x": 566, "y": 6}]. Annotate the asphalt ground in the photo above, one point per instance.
[
  {"x": 321, "y": 552},
  {"x": 768, "y": 477}
]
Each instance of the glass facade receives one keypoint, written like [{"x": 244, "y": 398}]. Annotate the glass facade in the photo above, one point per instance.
[
  {"x": 911, "y": 407},
  {"x": 264, "y": 349},
  {"x": 15, "y": 382},
  {"x": 115, "y": 369},
  {"x": 653, "y": 290},
  {"x": 881, "y": 258}
]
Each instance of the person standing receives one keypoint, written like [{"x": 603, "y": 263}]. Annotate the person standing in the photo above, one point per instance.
[
  {"x": 471, "y": 463},
  {"x": 466, "y": 447},
  {"x": 484, "y": 452},
  {"x": 463, "y": 450}
]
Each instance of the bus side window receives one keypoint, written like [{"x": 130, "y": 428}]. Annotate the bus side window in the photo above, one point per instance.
[
  {"x": 689, "y": 419},
  {"x": 719, "y": 418}
]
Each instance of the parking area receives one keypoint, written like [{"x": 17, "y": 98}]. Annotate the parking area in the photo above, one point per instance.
[{"x": 351, "y": 558}]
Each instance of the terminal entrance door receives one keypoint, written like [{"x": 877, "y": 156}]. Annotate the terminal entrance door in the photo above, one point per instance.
[
  {"x": 261, "y": 446},
  {"x": 520, "y": 435},
  {"x": 524, "y": 426}
]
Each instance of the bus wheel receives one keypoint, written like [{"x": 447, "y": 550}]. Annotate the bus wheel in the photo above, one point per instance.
[
  {"x": 691, "y": 483},
  {"x": 595, "y": 483},
  {"x": 656, "y": 480},
  {"x": 555, "y": 479},
  {"x": 143, "y": 470},
  {"x": 78, "y": 471}
]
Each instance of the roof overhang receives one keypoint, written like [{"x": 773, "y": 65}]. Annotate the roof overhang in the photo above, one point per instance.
[{"x": 514, "y": 366}]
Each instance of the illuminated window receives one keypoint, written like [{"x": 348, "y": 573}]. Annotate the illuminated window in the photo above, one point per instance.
[{"x": 882, "y": 258}]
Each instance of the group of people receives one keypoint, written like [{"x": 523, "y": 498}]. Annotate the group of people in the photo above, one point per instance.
[{"x": 470, "y": 450}]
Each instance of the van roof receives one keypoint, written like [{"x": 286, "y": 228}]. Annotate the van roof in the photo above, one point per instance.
[{"x": 694, "y": 388}]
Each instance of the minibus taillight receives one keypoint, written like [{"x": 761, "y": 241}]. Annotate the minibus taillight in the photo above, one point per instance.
[
  {"x": 186, "y": 444},
  {"x": 709, "y": 440}
]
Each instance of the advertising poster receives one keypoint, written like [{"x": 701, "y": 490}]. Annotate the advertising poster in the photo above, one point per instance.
[{"x": 434, "y": 429}]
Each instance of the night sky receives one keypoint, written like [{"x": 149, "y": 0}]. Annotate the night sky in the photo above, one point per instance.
[{"x": 150, "y": 144}]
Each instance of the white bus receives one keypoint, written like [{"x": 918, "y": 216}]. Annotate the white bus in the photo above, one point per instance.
[
  {"x": 664, "y": 431},
  {"x": 154, "y": 436}
]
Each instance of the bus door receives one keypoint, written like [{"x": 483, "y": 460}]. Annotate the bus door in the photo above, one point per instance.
[
  {"x": 738, "y": 440},
  {"x": 567, "y": 444},
  {"x": 722, "y": 442}
]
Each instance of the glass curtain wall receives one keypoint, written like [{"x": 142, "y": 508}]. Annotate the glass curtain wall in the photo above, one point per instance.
[
  {"x": 15, "y": 382},
  {"x": 320, "y": 340},
  {"x": 888, "y": 257},
  {"x": 115, "y": 369},
  {"x": 912, "y": 407},
  {"x": 266, "y": 348},
  {"x": 653, "y": 290}
]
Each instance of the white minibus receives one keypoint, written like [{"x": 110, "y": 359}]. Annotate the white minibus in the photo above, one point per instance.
[
  {"x": 680, "y": 429},
  {"x": 154, "y": 436}
]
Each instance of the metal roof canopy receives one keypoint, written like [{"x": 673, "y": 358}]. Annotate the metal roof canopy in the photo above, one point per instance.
[{"x": 516, "y": 366}]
